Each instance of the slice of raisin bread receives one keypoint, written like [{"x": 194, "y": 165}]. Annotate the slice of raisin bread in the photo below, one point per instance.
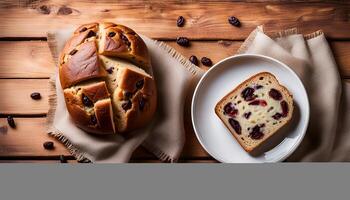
[{"x": 255, "y": 110}]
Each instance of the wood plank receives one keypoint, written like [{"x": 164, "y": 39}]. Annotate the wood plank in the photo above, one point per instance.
[
  {"x": 205, "y": 20},
  {"x": 16, "y": 96},
  {"x": 25, "y": 59},
  {"x": 75, "y": 162},
  {"x": 180, "y": 161},
  {"x": 35, "y": 60},
  {"x": 341, "y": 51},
  {"x": 218, "y": 50},
  {"x": 17, "y": 101},
  {"x": 28, "y": 138},
  {"x": 38, "y": 161}
]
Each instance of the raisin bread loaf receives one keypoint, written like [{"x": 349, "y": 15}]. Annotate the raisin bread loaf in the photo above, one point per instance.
[
  {"x": 256, "y": 110},
  {"x": 106, "y": 76}
]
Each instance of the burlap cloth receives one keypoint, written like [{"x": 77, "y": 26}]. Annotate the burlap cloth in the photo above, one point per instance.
[
  {"x": 175, "y": 78},
  {"x": 327, "y": 138}
]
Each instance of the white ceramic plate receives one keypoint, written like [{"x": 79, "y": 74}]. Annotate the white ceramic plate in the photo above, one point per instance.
[{"x": 221, "y": 79}]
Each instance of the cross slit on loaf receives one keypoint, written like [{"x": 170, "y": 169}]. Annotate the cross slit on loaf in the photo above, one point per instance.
[{"x": 106, "y": 75}]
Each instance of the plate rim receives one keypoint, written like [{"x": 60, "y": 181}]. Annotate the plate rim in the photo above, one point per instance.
[{"x": 307, "y": 109}]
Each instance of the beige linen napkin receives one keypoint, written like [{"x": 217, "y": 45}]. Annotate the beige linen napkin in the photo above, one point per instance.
[
  {"x": 175, "y": 77},
  {"x": 328, "y": 134}
]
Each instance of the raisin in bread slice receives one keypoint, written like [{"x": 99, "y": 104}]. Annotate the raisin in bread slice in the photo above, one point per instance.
[{"x": 256, "y": 110}]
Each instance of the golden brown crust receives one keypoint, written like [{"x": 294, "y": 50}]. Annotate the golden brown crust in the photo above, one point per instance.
[
  {"x": 76, "y": 110},
  {"x": 240, "y": 86},
  {"x": 83, "y": 65},
  {"x": 79, "y": 36},
  {"x": 87, "y": 27},
  {"x": 129, "y": 79},
  {"x": 143, "y": 99},
  {"x": 96, "y": 91},
  {"x": 84, "y": 116},
  {"x": 104, "y": 115},
  {"x": 91, "y": 101},
  {"x": 135, "y": 118},
  {"x": 121, "y": 41}
]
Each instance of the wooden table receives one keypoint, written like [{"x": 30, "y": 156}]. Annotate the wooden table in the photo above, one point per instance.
[{"x": 26, "y": 64}]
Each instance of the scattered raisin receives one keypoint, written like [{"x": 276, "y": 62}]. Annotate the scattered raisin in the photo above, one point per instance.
[
  {"x": 63, "y": 159},
  {"x": 142, "y": 103},
  {"x": 206, "y": 61},
  {"x": 139, "y": 84},
  {"x": 183, "y": 41},
  {"x": 235, "y": 125},
  {"x": 35, "y": 95},
  {"x": 234, "y": 21},
  {"x": 110, "y": 70},
  {"x": 127, "y": 105},
  {"x": 193, "y": 59},
  {"x": 285, "y": 109},
  {"x": 247, "y": 94},
  {"x": 11, "y": 122},
  {"x": 83, "y": 29},
  {"x": 275, "y": 94},
  {"x": 247, "y": 115},
  {"x": 180, "y": 21},
  {"x": 86, "y": 101},
  {"x": 48, "y": 145},
  {"x": 111, "y": 34},
  {"x": 74, "y": 51}
]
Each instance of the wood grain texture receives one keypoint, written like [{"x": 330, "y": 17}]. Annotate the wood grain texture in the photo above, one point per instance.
[
  {"x": 17, "y": 100},
  {"x": 205, "y": 20},
  {"x": 29, "y": 59},
  {"x": 27, "y": 139},
  {"x": 341, "y": 52},
  {"x": 30, "y": 134},
  {"x": 75, "y": 162},
  {"x": 180, "y": 161},
  {"x": 38, "y": 161},
  {"x": 35, "y": 60}
]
